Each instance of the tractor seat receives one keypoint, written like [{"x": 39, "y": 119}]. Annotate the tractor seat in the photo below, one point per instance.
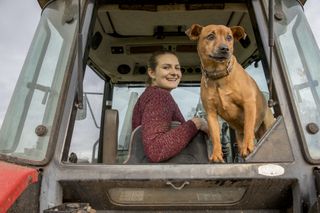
[{"x": 194, "y": 153}]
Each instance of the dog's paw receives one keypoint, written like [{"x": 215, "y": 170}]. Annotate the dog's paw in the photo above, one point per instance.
[
  {"x": 217, "y": 158},
  {"x": 250, "y": 148},
  {"x": 244, "y": 152}
]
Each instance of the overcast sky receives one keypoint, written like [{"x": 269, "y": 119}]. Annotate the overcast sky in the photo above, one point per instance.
[{"x": 18, "y": 22}]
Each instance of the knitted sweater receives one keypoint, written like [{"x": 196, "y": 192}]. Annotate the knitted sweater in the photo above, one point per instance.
[{"x": 154, "y": 111}]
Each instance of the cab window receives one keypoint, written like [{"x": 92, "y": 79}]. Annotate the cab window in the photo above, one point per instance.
[
  {"x": 29, "y": 121},
  {"x": 301, "y": 56},
  {"x": 86, "y": 132}
]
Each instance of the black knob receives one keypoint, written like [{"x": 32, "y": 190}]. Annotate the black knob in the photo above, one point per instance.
[
  {"x": 312, "y": 128},
  {"x": 41, "y": 130}
]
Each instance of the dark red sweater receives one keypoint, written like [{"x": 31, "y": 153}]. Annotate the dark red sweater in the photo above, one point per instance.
[{"x": 154, "y": 111}]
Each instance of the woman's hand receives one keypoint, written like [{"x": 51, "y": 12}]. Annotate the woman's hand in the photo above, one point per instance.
[{"x": 201, "y": 124}]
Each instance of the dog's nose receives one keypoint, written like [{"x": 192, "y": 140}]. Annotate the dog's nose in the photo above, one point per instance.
[{"x": 224, "y": 48}]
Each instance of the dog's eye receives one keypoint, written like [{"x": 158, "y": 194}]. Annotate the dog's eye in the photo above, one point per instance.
[
  {"x": 229, "y": 38},
  {"x": 211, "y": 37}
]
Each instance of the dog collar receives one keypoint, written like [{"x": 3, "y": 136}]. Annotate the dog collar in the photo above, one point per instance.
[{"x": 215, "y": 75}]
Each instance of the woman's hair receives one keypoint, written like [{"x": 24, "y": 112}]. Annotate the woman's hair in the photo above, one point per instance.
[{"x": 153, "y": 61}]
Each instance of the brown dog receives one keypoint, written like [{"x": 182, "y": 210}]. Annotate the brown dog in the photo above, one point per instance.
[{"x": 227, "y": 90}]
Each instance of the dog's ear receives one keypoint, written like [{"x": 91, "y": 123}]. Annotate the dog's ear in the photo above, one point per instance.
[
  {"x": 238, "y": 32},
  {"x": 194, "y": 31}
]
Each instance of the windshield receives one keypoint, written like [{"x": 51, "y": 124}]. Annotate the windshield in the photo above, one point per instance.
[
  {"x": 188, "y": 106},
  {"x": 301, "y": 56},
  {"x": 29, "y": 120}
]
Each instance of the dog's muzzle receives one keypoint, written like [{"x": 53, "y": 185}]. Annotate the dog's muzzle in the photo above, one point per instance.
[
  {"x": 222, "y": 53},
  {"x": 220, "y": 56}
]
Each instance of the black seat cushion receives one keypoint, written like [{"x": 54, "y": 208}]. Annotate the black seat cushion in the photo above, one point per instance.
[{"x": 194, "y": 153}]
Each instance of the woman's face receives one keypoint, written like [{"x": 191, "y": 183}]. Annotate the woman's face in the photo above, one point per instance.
[{"x": 167, "y": 74}]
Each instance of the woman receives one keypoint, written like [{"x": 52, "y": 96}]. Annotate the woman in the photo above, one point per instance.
[{"x": 156, "y": 109}]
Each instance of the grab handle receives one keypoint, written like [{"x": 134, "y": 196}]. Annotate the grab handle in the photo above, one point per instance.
[{"x": 178, "y": 187}]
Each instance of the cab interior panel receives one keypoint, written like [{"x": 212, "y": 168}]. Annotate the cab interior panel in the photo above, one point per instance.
[{"x": 125, "y": 46}]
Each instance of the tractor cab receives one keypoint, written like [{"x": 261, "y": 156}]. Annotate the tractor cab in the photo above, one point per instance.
[{"x": 69, "y": 120}]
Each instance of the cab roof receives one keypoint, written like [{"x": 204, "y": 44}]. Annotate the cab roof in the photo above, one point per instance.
[
  {"x": 123, "y": 40},
  {"x": 42, "y": 3}
]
